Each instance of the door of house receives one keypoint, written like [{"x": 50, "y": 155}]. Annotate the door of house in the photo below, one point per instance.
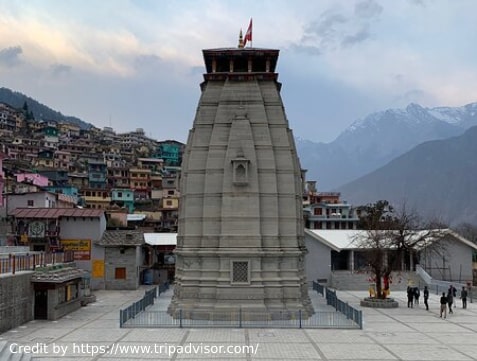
[{"x": 41, "y": 304}]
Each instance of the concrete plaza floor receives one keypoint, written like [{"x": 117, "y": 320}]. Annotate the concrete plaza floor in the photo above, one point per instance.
[{"x": 93, "y": 333}]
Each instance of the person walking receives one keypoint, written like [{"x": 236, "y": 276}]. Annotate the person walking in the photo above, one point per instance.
[
  {"x": 410, "y": 296},
  {"x": 426, "y": 297},
  {"x": 443, "y": 305},
  {"x": 450, "y": 298},
  {"x": 463, "y": 297},
  {"x": 417, "y": 293}
]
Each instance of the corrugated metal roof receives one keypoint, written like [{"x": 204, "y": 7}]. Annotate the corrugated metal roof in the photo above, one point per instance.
[
  {"x": 122, "y": 238},
  {"x": 352, "y": 239},
  {"x": 161, "y": 239},
  {"x": 337, "y": 239},
  {"x": 60, "y": 275},
  {"x": 56, "y": 212}
]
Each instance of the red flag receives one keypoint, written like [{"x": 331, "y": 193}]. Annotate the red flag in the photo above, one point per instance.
[{"x": 248, "y": 34}]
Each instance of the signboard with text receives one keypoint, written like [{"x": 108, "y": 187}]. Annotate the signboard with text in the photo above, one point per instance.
[{"x": 81, "y": 247}]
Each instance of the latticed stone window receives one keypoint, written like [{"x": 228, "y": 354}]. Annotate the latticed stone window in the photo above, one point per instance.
[{"x": 240, "y": 272}]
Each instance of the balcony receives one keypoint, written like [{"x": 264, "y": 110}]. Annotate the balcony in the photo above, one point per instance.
[{"x": 12, "y": 263}]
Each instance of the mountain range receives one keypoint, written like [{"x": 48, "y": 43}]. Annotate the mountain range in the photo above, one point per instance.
[
  {"x": 374, "y": 141},
  {"x": 424, "y": 157},
  {"x": 39, "y": 110},
  {"x": 438, "y": 179}
]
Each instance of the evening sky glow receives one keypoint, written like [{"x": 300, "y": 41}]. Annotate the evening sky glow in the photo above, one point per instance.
[{"x": 131, "y": 64}]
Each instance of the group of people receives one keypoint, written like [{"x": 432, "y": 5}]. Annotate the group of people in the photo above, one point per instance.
[{"x": 446, "y": 301}]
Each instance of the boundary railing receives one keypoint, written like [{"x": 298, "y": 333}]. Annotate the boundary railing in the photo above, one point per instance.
[
  {"x": 141, "y": 305},
  {"x": 440, "y": 286},
  {"x": 16, "y": 262},
  {"x": 140, "y": 314},
  {"x": 350, "y": 312},
  {"x": 319, "y": 288}
]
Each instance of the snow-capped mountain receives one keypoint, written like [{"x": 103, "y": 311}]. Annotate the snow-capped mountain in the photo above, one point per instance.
[
  {"x": 436, "y": 179},
  {"x": 372, "y": 142}
]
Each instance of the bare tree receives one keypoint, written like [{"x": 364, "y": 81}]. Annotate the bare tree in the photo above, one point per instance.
[
  {"x": 468, "y": 231},
  {"x": 391, "y": 237}
]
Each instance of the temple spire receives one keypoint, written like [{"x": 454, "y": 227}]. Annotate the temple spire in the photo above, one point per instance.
[{"x": 240, "y": 44}]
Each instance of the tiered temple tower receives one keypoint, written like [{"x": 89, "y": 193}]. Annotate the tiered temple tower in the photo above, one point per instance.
[{"x": 240, "y": 231}]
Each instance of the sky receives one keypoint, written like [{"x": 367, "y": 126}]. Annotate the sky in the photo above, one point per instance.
[{"x": 138, "y": 63}]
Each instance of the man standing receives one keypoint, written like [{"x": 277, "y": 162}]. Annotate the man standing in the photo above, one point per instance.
[
  {"x": 410, "y": 296},
  {"x": 463, "y": 296},
  {"x": 426, "y": 297},
  {"x": 443, "y": 304},
  {"x": 450, "y": 298}
]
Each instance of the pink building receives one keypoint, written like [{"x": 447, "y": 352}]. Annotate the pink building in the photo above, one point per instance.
[
  {"x": 2, "y": 178},
  {"x": 32, "y": 178}
]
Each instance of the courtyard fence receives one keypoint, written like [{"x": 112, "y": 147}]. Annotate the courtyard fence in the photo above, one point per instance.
[
  {"x": 349, "y": 311},
  {"x": 142, "y": 314},
  {"x": 140, "y": 306}
]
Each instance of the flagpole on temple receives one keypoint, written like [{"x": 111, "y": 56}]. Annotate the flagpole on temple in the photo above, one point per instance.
[{"x": 248, "y": 34}]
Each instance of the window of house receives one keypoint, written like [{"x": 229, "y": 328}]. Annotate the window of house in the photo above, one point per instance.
[
  {"x": 168, "y": 203},
  {"x": 120, "y": 273},
  {"x": 30, "y": 203},
  {"x": 171, "y": 193},
  {"x": 120, "y": 194}
]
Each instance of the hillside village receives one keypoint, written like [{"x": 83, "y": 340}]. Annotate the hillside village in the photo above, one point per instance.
[
  {"x": 89, "y": 209},
  {"x": 127, "y": 173}
]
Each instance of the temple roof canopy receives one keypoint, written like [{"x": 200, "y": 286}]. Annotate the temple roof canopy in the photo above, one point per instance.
[{"x": 235, "y": 60}]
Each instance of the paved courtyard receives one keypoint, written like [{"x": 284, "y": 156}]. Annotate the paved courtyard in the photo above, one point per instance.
[{"x": 93, "y": 333}]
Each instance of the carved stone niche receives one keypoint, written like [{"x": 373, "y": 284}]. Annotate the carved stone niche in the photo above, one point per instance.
[{"x": 240, "y": 171}]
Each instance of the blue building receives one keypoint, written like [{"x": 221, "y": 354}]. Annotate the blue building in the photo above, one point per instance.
[
  {"x": 97, "y": 174},
  {"x": 123, "y": 197}
]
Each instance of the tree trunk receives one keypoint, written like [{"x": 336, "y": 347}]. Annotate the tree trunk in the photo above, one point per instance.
[{"x": 379, "y": 293}]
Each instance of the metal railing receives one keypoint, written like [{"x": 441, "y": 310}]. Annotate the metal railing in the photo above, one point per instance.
[
  {"x": 139, "y": 314},
  {"x": 319, "y": 288},
  {"x": 349, "y": 311},
  {"x": 442, "y": 286},
  {"x": 239, "y": 318},
  {"x": 15, "y": 262},
  {"x": 141, "y": 305}
]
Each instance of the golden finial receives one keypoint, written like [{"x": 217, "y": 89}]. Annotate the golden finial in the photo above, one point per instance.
[{"x": 240, "y": 45}]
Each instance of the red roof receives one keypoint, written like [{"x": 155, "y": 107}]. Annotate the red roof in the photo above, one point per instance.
[{"x": 56, "y": 212}]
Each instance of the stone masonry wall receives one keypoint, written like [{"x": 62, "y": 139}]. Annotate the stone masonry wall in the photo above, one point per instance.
[{"x": 16, "y": 300}]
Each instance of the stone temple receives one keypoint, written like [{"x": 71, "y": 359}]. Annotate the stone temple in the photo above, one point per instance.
[{"x": 240, "y": 241}]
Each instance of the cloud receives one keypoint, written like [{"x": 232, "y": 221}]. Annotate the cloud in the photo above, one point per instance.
[
  {"x": 368, "y": 9},
  {"x": 60, "y": 69},
  {"x": 10, "y": 57},
  {"x": 418, "y": 2},
  {"x": 306, "y": 49},
  {"x": 323, "y": 32},
  {"x": 338, "y": 28},
  {"x": 360, "y": 36},
  {"x": 327, "y": 24}
]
